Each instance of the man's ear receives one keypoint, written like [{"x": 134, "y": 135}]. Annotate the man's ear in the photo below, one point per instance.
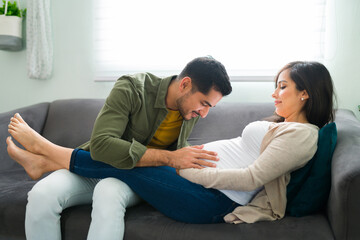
[{"x": 185, "y": 84}]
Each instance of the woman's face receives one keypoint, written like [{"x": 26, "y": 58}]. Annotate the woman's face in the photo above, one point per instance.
[{"x": 288, "y": 100}]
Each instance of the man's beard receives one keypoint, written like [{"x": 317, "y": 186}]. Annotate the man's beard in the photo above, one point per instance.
[{"x": 180, "y": 105}]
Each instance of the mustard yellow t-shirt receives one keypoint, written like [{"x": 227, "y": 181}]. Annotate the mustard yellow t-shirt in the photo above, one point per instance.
[{"x": 168, "y": 131}]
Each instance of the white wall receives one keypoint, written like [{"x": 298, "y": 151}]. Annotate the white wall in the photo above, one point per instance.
[
  {"x": 73, "y": 70},
  {"x": 343, "y": 51}
]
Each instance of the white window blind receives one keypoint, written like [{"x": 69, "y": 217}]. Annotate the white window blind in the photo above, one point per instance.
[{"x": 252, "y": 38}]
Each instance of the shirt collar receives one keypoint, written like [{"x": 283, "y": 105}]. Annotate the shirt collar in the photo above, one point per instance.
[{"x": 162, "y": 90}]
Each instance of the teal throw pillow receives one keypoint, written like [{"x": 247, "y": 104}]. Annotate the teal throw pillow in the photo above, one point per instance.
[{"x": 309, "y": 186}]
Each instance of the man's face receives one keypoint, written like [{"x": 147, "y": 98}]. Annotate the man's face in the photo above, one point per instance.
[{"x": 196, "y": 103}]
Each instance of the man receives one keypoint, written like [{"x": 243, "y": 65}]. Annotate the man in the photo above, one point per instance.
[{"x": 145, "y": 121}]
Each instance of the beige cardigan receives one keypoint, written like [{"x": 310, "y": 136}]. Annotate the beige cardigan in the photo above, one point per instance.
[{"x": 286, "y": 147}]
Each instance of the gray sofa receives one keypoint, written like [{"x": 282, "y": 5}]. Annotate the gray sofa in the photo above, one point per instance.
[{"x": 69, "y": 123}]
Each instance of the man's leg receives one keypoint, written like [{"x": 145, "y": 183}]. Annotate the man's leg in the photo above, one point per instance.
[
  {"x": 49, "y": 197},
  {"x": 110, "y": 199}
]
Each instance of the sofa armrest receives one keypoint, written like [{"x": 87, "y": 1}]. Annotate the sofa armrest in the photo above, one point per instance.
[{"x": 343, "y": 206}]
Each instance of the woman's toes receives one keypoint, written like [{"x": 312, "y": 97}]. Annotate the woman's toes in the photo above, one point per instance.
[
  {"x": 12, "y": 132},
  {"x": 10, "y": 146},
  {"x": 19, "y": 118},
  {"x": 11, "y": 126},
  {"x": 14, "y": 120}
]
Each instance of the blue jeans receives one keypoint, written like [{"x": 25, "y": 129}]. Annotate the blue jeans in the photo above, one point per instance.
[{"x": 162, "y": 188}]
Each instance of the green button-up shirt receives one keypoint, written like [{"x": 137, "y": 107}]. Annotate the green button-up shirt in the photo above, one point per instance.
[{"x": 129, "y": 118}]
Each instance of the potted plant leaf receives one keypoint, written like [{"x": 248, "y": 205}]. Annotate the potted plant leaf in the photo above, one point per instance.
[{"x": 11, "y": 26}]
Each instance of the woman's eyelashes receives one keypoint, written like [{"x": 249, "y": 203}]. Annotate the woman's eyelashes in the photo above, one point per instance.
[{"x": 282, "y": 86}]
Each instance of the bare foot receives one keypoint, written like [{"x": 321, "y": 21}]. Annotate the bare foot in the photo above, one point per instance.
[
  {"x": 26, "y": 136},
  {"x": 33, "y": 164}
]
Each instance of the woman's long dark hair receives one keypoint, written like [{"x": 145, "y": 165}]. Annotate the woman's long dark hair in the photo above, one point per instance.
[{"x": 316, "y": 80}]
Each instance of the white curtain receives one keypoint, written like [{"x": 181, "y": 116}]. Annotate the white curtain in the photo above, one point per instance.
[
  {"x": 39, "y": 39},
  {"x": 252, "y": 38}
]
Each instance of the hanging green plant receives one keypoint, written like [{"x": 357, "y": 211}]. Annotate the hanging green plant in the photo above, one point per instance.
[
  {"x": 11, "y": 17},
  {"x": 12, "y": 10}
]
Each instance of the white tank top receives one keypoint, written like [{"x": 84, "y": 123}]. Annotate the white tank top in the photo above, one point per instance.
[{"x": 239, "y": 153}]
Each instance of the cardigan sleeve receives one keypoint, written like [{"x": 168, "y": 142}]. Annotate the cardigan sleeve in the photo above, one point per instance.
[{"x": 287, "y": 147}]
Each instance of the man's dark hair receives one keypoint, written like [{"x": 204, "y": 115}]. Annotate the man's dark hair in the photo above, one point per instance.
[{"x": 207, "y": 73}]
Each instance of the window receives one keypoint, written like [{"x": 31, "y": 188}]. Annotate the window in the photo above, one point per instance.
[{"x": 252, "y": 38}]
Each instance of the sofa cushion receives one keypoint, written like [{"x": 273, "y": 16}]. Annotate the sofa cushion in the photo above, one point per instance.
[
  {"x": 143, "y": 222},
  {"x": 310, "y": 185},
  {"x": 14, "y": 186}
]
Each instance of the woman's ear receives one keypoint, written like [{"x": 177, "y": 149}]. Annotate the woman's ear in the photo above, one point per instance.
[
  {"x": 185, "y": 84},
  {"x": 304, "y": 94}
]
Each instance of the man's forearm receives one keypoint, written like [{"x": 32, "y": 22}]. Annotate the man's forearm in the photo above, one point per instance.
[
  {"x": 155, "y": 157},
  {"x": 187, "y": 157}
]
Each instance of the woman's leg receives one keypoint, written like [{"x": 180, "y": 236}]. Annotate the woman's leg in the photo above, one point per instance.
[
  {"x": 171, "y": 194},
  {"x": 28, "y": 137},
  {"x": 110, "y": 200},
  {"x": 41, "y": 156},
  {"x": 36, "y": 165},
  {"x": 49, "y": 197}
]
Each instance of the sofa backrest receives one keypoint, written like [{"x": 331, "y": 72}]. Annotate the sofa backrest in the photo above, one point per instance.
[
  {"x": 34, "y": 115},
  {"x": 227, "y": 120},
  {"x": 70, "y": 122}
]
